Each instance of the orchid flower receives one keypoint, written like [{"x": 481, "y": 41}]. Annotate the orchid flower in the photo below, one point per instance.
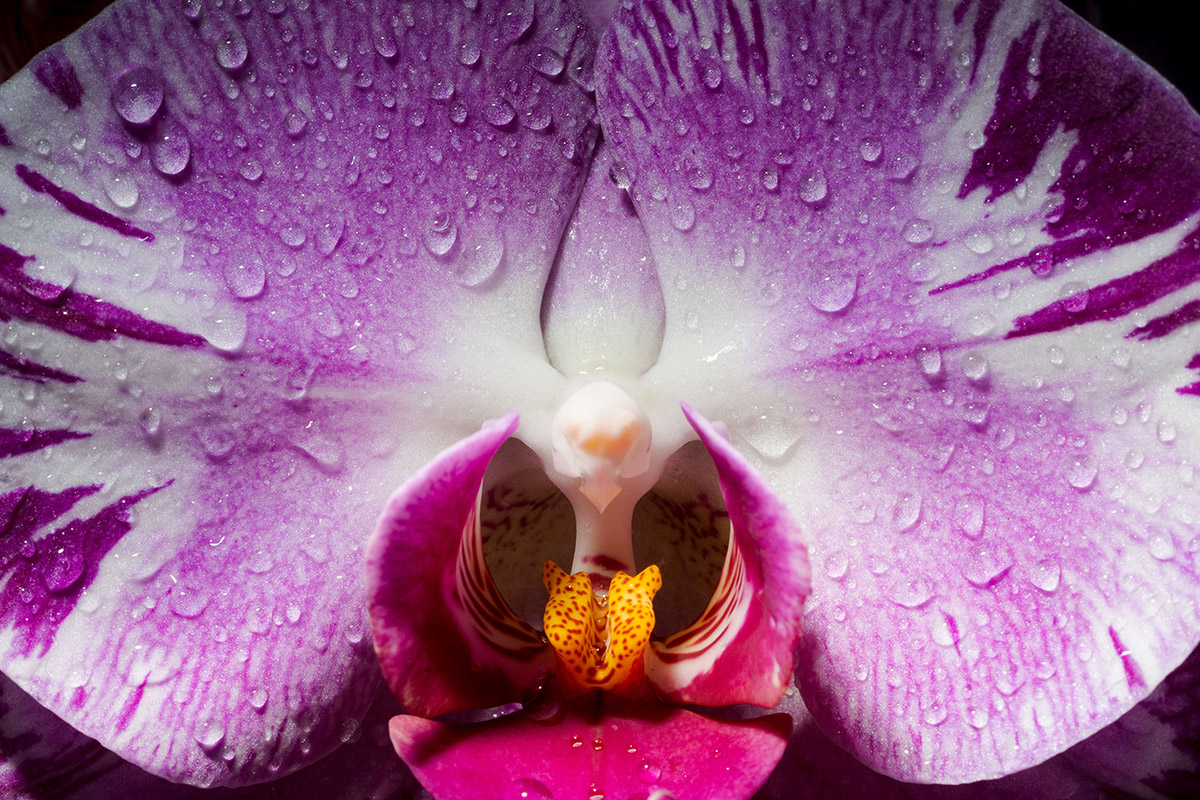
[{"x": 523, "y": 309}]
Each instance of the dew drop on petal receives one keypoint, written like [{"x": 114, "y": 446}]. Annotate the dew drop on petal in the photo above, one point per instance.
[
  {"x": 251, "y": 169},
  {"x": 480, "y": 261},
  {"x": 836, "y": 564},
  {"x": 66, "y": 567},
  {"x": 246, "y": 278},
  {"x": 527, "y": 789},
  {"x": 683, "y": 215},
  {"x": 439, "y": 236},
  {"x": 834, "y": 291},
  {"x": 210, "y": 733},
  {"x": 548, "y": 62},
  {"x": 813, "y": 186},
  {"x": 1046, "y": 575},
  {"x": 137, "y": 95},
  {"x": 870, "y": 149},
  {"x": 929, "y": 359},
  {"x": 122, "y": 190},
  {"x": 231, "y": 50},
  {"x": 1081, "y": 473},
  {"x": 257, "y": 698},
  {"x": 906, "y": 512},
  {"x": 295, "y": 123},
  {"x": 498, "y": 112},
  {"x": 918, "y": 231},
  {"x": 50, "y": 279},
  {"x": 442, "y": 89},
  {"x": 468, "y": 53},
  {"x": 170, "y": 148}
]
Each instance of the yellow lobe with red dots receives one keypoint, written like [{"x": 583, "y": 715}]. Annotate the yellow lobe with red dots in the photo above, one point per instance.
[{"x": 599, "y": 640}]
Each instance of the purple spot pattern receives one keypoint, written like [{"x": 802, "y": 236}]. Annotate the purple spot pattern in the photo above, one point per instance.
[
  {"x": 78, "y": 206},
  {"x": 54, "y": 71},
  {"x": 19, "y": 442},
  {"x": 24, "y": 369},
  {"x": 74, "y": 313},
  {"x": 44, "y": 586}
]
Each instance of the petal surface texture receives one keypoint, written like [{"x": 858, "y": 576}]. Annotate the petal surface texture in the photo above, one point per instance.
[
  {"x": 630, "y": 750},
  {"x": 739, "y": 650},
  {"x": 241, "y": 251},
  {"x": 446, "y": 638},
  {"x": 934, "y": 266}
]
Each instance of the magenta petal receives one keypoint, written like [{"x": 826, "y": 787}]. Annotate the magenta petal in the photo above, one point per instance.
[
  {"x": 235, "y": 242},
  {"x": 740, "y": 650},
  {"x": 445, "y": 637},
  {"x": 618, "y": 749}
]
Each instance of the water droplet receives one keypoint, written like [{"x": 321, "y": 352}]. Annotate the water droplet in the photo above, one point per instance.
[
  {"x": 975, "y": 367},
  {"x": 329, "y": 233},
  {"x": 910, "y": 591},
  {"x": 295, "y": 123},
  {"x": 66, "y": 567},
  {"x": 498, "y": 112},
  {"x": 737, "y": 257},
  {"x": 527, "y": 789},
  {"x": 226, "y": 331},
  {"x": 906, "y": 512},
  {"x": 834, "y": 291},
  {"x": 836, "y": 564},
  {"x": 746, "y": 115},
  {"x": 231, "y": 50},
  {"x": 293, "y": 236},
  {"x": 978, "y": 718},
  {"x": 986, "y": 564},
  {"x": 122, "y": 190},
  {"x": 711, "y": 75},
  {"x": 929, "y": 359},
  {"x": 620, "y": 175},
  {"x": 700, "y": 178},
  {"x": 980, "y": 243},
  {"x": 1046, "y": 575},
  {"x": 216, "y": 441},
  {"x": 442, "y": 89},
  {"x": 192, "y": 8},
  {"x": 251, "y": 169},
  {"x": 187, "y": 601},
  {"x": 649, "y": 772},
  {"x": 934, "y": 714},
  {"x": 683, "y": 215},
  {"x": 468, "y": 53},
  {"x": 918, "y": 231},
  {"x": 170, "y": 149},
  {"x": 1166, "y": 431},
  {"x": 479, "y": 262},
  {"x": 137, "y": 95},
  {"x": 1162, "y": 546},
  {"x": 870, "y": 149},
  {"x": 970, "y": 516},
  {"x": 257, "y": 698},
  {"x": 151, "y": 421},
  {"x": 210, "y": 733},
  {"x": 548, "y": 62},
  {"x": 813, "y": 186},
  {"x": 1081, "y": 472},
  {"x": 770, "y": 178},
  {"x": 245, "y": 278},
  {"x": 440, "y": 235},
  {"x": 48, "y": 280}
]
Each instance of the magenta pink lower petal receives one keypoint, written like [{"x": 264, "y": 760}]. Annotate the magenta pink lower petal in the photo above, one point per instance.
[
  {"x": 445, "y": 637},
  {"x": 611, "y": 748},
  {"x": 740, "y": 649}
]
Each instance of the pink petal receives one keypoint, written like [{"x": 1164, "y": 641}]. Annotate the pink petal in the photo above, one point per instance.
[{"x": 615, "y": 749}]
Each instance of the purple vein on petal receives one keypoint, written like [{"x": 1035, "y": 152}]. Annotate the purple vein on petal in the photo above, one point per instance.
[
  {"x": 78, "y": 206},
  {"x": 19, "y": 442},
  {"x": 5, "y": 139},
  {"x": 54, "y": 71},
  {"x": 24, "y": 369},
  {"x": 76, "y": 314},
  {"x": 1118, "y": 297},
  {"x": 44, "y": 587}
]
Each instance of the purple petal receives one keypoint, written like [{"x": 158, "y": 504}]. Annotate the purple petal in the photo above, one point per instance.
[
  {"x": 239, "y": 247},
  {"x": 618, "y": 749},
  {"x": 954, "y": 272},
  {"x": 740, "y": 648},
  {"x": 445, "y": 637}
]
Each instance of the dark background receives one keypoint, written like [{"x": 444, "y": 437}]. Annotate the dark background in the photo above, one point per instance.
[{"x": 1154, "y": 29}]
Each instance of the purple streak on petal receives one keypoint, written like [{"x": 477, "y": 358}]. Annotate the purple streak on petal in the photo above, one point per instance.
[
  {"x": 25, "y": 369},
  {"x": 42, "y": 590},
  {"x": 1133, "y": 672},
  {"x": 1158, "y": 327},
  {"x": 1191, "y": 388},
  {"x": 619, "y": 748},
  {"x": 1119, "y": 296},
  {"x": 18, "y": 442},
  {"x": 24, "y": 511},
  {"x": 55, "y": 72},
  {"x": 5, "y": 139},
  {"x": 74, "y": 313},
  {"x": 80, "y": 207}
]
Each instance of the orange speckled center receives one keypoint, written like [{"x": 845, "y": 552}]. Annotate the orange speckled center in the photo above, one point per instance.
[{"x": 599, "y": 640}]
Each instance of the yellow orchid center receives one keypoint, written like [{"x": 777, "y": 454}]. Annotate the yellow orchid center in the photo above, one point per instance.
[{"x": 599, "y": 639}]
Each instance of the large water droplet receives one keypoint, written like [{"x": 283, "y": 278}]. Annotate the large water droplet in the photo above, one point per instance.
[
  {"x": 548, "y": 62},
  {"x": 122, "y": 190},
  {"x": 970, "y": 516},
  {"x": 683, "y": 215},
  {"x": 910, "y": 591},
  {"x": 440, "y": 235},
  {"x": 917, "y": 231},
  {"x": 986, "y": 564},
  {"x": 49, "y": 280},
  {"x": 210, "y": 733},
  {"x": 479, "y": 262},
  {"x": 870, "y": 149},
  {"x": 246, "y": 277},
  {"x": 1046, "y": 575},
  {"x": 906, "y": 512},
  {"x": 813, "y": 186},
  {"x": 187, "y": 601},
  {"x": 834, "y": 291},
  {"x": 527, "y": 789},
  {"x": 137, "y": 95},
  {"x": 231, "y": 50},
  {"x": 170, "y": 149},
  {"x": 226, "y": 331},
  {"x": 929, "y": 359},
  {"x": 66, "y": 567},
  {"x": 498, "y": 112},
  {"x": 1081, "y": 472},
  {"x": 836, "y": 564}
]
